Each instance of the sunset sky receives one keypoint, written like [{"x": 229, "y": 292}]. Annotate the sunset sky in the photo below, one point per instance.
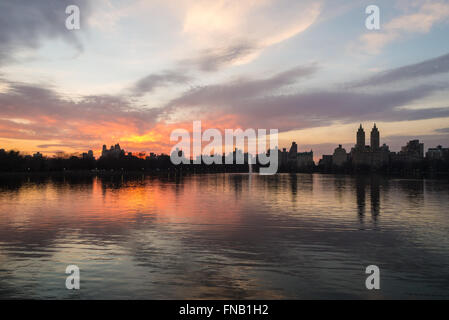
[{"x": 137, "y": 69}]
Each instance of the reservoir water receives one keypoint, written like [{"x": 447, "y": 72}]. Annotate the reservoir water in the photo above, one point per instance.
[{"x": 224, "y": 236}]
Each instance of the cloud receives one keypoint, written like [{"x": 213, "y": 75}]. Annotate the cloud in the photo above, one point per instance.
[
  {"x": 28, "y": 101},
  {"x": 426, "y": 14},
  {"x": 442, "y": 130},
  {"x": 24, "y": 24},
  {"x": 221, "y": 20},
  {"x": 214, "y": 59},
  {"x": 225, "y": 30},
  {"x": 240, "y": 90},
  {"x": 320, "y": 108},
  {"x": 46, "y": 115},
  {"x": 429, "y": 67},
  {"x": 39, "y": 113},
  {"x": 153, "y": 81},
  {"x": 64, "y": 145},
  {"x": 258, "y": 103}
]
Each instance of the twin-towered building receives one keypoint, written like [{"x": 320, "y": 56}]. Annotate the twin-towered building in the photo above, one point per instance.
[
  {"x": 375, "y": 139},
  {"x": 376, "y": 156},
  {"x": 373, "y": 155}
]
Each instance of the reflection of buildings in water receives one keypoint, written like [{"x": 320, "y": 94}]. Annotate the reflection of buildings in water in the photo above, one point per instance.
[
  {"x": 237, "y": 182},
  {"x": 433, "y": 186},
  {"x": 179, "y": 184},
  {"x": 361, "y": 196},
  {"x": 299, "y": 184},
  {"x": 375, "y": 196},
  {"x": 293, "y": 179},
  {"x": 340, "y": 184},
  {"x": 374, "y": 185},
  {"x": 112, "y": 182},
  {"x": 305, "y": 182},
  {"x": 273, "y": 182},
  {"x": 413, "y": 190},
  {"x": 16, "y": 184}
]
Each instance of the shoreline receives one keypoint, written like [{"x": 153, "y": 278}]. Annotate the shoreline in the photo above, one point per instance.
[{"x": 137, "y": 173}]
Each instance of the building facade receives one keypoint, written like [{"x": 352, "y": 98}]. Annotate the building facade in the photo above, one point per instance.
[
  {"x": 113, "y": 152},
  {"x": 372, "y": 156},
  {"x": 294, "y": 160}
]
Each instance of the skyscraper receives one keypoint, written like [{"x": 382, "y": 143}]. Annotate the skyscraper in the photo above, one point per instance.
[
  {"x": 293, "y": 153},
  {"x": 375, "y": 138},
  {"x": 372, "y": 156},
  {"x": 360, "y": 138}
]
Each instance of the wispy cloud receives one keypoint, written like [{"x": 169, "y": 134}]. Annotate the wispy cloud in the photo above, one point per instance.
[
  {"x": 420, "y": 18},
  {"x": 46, "y": 115},
  {"x": 321, "y": 108},
  {"x": 442, "y": 130},
  {"x": 225, "y": 30},
  {"x": 422, "y": 69},
  {"x": 214, "y": 59},
  {"x": 257, "y": 103},
  {"x": 153, "y": 81},
  {"x": 23, "y": 25},
  {"x": 240, "y": 90}
]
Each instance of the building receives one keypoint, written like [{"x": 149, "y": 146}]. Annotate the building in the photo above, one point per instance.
[
  {"x": 37, "y": 155},
  {"x": 385, "y": 148},
  {"x": 340, "y": 157},
  {"x": 294, "y": 160},
  {"x": 283, "y": 157},
  {"x": 113, "y": 152},
  {"x": 152, "y": 156},
  {"x": 375, "y": 139},
  {"x": 371, "y": 156},
  {"x": 438, "y": 153},
  {"x": 325, "y": 162},
  {"x": 413, "y": 151},
  {"x": 89, "y": 155},
  {"x": 360, "y": 139},
  {"x": 379, "y": 157}
]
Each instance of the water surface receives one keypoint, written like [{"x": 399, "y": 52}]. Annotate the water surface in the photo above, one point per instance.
[{"x": 223, "y": 236}]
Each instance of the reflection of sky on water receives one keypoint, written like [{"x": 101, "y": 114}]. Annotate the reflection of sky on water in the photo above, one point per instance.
[{"x": 224, "y": 236}]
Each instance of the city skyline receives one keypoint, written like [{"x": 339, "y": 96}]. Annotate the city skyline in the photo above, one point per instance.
[
  {"x": 136, "y": 70},
  {"x": 340, "y": 156}
]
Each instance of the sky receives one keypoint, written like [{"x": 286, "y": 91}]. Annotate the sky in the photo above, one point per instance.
[{"x": 137, "y": 70}]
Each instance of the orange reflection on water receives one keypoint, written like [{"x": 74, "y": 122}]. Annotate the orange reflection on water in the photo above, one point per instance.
[{"x": 169, "y": 201}]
